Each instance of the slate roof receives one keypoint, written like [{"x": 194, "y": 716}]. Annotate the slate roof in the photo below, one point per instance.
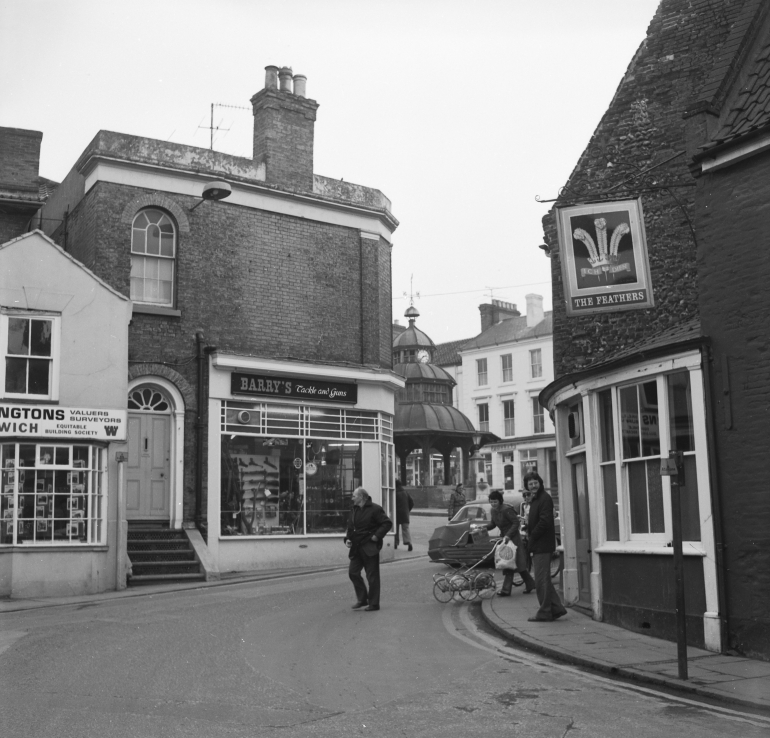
[
  {"x": 511, "y": 331},
  {"x": 447, "y": 353}
]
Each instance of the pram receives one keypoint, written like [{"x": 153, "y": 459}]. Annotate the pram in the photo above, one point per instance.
[{"x": 465, "y": 582}]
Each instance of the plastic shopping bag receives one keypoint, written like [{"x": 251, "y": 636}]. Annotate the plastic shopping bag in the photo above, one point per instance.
[{"x": 505, "y": 556}]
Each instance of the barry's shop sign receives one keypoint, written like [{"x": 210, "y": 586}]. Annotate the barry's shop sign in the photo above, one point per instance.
[{"x": 293, "y": 388}]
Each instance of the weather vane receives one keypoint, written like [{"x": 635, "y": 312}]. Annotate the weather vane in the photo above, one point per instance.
[{"x": 411, "y": 294}]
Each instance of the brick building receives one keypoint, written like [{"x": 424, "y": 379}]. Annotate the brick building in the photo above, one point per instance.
[
  {"x": 260, "y": 386},
  {"x": 660, "y": 336}
]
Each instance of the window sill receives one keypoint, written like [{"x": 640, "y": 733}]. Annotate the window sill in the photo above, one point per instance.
[
  {"x": 155, "y": 310},
  {"x": 51, "y": 547},
  {"x": 649, "y": 549}
]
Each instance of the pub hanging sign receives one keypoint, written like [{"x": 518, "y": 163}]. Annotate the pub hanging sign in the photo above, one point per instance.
[
  {"x": 293, "y": 388},
  {"x": 604, "y": 260}
]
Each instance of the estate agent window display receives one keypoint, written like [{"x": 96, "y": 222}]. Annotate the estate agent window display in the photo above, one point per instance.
[
  {"x": 52, "y": 494},
  {"x": 291, "y": 470}
]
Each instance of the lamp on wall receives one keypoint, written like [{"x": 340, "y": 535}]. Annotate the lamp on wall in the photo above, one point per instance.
[{"x": 216, "y": 190}]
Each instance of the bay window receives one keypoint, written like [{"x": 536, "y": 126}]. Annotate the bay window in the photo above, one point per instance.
[
  {"x": 52, "y": 493},
  {"x": 639, "y": 424}
]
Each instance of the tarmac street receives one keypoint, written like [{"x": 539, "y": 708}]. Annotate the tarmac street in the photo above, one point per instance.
[{"x": 252, "y": 658}]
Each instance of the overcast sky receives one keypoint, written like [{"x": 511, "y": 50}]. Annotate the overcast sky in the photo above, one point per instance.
[{"x": 460, "y": 111}]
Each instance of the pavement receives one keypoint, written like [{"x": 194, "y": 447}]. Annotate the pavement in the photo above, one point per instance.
[{"x": 575, "y": 639}]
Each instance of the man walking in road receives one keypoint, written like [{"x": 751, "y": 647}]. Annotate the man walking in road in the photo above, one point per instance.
[
  {"x": 542, "y": 544},
  {"x": 367, "y": 526}
]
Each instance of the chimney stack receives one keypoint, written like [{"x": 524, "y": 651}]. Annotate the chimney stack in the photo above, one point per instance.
[
  {"x": 535, "y": 312},
  {"x": 496, "y": 312},
  {"x": 284, "y": 124}
]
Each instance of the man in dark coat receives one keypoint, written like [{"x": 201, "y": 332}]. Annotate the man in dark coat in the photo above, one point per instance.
[
  {"x": 505, "y": 518},
  {"x": 404, "y": 505},
  {"x": 367, "y": 526},
  {"x": 542, "y": 544}
]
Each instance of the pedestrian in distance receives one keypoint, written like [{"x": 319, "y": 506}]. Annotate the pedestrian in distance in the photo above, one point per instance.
[
  {"x": 505, "y": 518},
  {"x": 367, "y": 527},
  {"x": 542, "y": 544},
  {"x": 404, "y": 505},
  {"x": 456, "y": 501}
]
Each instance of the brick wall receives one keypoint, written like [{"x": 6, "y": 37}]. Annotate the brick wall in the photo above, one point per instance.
[
  {"x": 255, "y": 282},
  {"x": 732, "y": 222},
  {"x": 643, "y": 125},
  {"x": 19, "y": 157},
  {"x": 283, "y": 138}
]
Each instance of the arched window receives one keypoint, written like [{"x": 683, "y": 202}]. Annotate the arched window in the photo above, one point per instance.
[{"x": 153, "y": 252}]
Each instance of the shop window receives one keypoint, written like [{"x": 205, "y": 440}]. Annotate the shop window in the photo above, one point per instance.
[
  {"x": 538, "y": 416},
  {"x": 30, "y": 362},
  {"x": 509, "y": 418},
  {"x": 483, "y": 416},
  {"x": 153, "y": 256},
  {"x": 52, "y": 494},
  {"x": 508, "y": 476},
  {"x": 507, "y": 366},
  {"x": 528, "y": 460},
  {"x": 482, "y": 376},
  {"x": 632, "y": 445},
  {"x": 536, "y": 363}
]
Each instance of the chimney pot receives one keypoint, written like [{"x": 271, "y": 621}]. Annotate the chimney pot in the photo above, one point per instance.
[
  {"x": 300, "y": 85},
  {"x": 271, "y": 77},
  {"x": 285, "y": 79}
]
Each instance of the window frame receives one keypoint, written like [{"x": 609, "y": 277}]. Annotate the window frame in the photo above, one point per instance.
[
  {"x": 92, "y": 500},
  {"x": 482, "y": 375},
  {"x": 159, "y": 257},
  {"x": 483, "y": 424},
  {"x": 537, "y": 416},
  {"x": 627, "y": 540},
  {"x": 509, "y": 421},
  {"x": 55, "y": 358},
  {"x": 507, "y": 371},
  {"x": 536, "y": 362}
]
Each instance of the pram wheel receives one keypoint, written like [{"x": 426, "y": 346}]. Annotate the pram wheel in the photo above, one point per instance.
[
  {"x": 485, "y": 585},
  {"x": 442, "y": 590}
]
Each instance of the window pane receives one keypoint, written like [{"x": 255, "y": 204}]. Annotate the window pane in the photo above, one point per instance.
[
  {"x": 607, "y": 426},
  {"x": 153, "y": 216},
  {"x": 137, "y": 266},
  {"x": 141, "y": 221},
  {"x": 611, "y": 503},
  {"x": 153, "y": 240},
  {"x": 655, "y": 495},
  {"x": 629, "y": 422},
  {"x": 137, "y": 289},
  {"x": 38, "y": 376},
  {"x": 137, "y": 241},
  {"x": 151, "y": 268},
  {"x": 167, "y": 244},
  {"x": 41, "y": 338},
  {"x": 689, "y": 502},
  {"x": 151, "y": 291},
  {"x": 648, "y": 396},
  {"x": 680, "y": 412},
  {"x": 165, "y": 269},
  {"x": 18, "y": 336},
  {"x": 16, "y": 375},
  {"x": 165, "y": 292},
  {"x": 637, "y": 497}
]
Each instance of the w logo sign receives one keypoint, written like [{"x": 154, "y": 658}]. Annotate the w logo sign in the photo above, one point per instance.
[{"x": 111, "y": 430}]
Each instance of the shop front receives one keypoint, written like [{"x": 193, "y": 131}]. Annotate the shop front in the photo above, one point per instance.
[
  {"x": 288, "y": 444},
  {"x": 63, "y": 423},
  {"x": 614, "y": 427}
]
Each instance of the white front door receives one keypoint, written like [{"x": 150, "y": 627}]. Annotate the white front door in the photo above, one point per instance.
[{"x": 148, "y": 472}]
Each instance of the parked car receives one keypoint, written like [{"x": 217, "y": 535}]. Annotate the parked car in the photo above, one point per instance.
[{"x": 460, "y": 542}]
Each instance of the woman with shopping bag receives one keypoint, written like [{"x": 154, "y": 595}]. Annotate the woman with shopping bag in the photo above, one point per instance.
[{"x": 505, "y": 518}]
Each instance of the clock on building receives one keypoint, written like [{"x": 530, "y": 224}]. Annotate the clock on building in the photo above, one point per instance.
[{"x": 423, "y": 356}]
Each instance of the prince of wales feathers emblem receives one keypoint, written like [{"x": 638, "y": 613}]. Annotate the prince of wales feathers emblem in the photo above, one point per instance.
[{"x": 600, "y": 260}]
